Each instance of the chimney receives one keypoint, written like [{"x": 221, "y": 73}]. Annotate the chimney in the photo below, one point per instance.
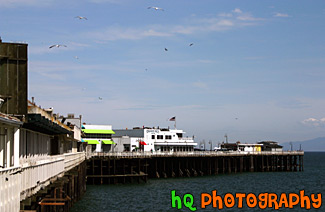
[{"x": 70, "y": 115}]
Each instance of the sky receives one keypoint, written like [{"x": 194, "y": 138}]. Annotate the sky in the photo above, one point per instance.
[{"x": 255, "y": 71}]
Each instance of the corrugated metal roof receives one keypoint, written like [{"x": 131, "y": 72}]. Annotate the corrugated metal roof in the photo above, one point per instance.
[
  {"x": 39, "y": 123},
  {"x": 9, "y": 119}
]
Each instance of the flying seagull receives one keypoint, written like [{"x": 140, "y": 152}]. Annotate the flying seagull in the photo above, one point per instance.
[
  {"x": 57, "y": 45},
  {"x": 81, "y": 17},
  {"x": 166, "y": 49},
  {"x": 191, "y": 44},
  {"x": 156, "y": 8},
  {"x": 100, "y": 98},
  {"x": 76, "y": 57}
]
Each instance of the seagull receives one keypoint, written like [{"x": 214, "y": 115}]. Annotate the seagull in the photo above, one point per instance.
[
  {"x": 57, "y": 45},
  {"x": 100, "y": 98},
  {"x": 166, "y": 49},
  {"x": 156, "y": 8},
  {"x": 81, "y": 17},
  {"x": 191, "y": 44},
  {"x": 76, "y": 57}
]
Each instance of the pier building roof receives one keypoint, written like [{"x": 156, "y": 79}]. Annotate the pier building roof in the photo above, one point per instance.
[
  {"x": 97, "y": 129},
  {"x": 42, "y": 120},
  {"x": 4, "y": 118},
  {"x": 129, "y": 132},
  {"x": 270, "y": 144},
  {"x": 140, "y": 131}
]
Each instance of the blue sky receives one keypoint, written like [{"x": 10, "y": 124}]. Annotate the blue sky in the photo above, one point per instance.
[{"x": 255, "y": 71}]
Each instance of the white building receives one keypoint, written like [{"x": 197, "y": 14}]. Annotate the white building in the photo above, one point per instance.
[
  {"x": 9, "y": 141},
  {"x": 153, "y": 139},
  {"x": 33, "y": 154},
  {"x": 250, "y": 147}
]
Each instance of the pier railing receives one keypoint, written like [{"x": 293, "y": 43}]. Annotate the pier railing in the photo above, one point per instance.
[
  {"x": 33, "y": 174},
  {"x": 190, "y": 154},
  {"x": 10, "y": 189},
  {"x": 73, "y": 159},
  {"x": 37, "y": 172}
]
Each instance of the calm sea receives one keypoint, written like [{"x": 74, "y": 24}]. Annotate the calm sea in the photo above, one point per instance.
[{"x": 156, "y": 194}]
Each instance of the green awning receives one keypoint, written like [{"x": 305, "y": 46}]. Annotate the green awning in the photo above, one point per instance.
[
  {"x": 91, "y": 141},
  {"x": 108, "y": 142},
  {"x": 94, "y": 131}
]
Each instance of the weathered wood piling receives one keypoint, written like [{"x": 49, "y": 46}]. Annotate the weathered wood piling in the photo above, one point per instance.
[
  {"x": 113, "y": 170},
  {"x": 128, "y": 168}
]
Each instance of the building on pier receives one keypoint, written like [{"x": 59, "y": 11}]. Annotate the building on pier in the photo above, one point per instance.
[
  {"x": 271, "y": 146},
  {"x": 250, "y": 147},
  {"x": 244, "y": 147},
  {"x": 253, "y": 147},
  {"x": 74, "y": 123},
  {"x": 153, "y": 139},
  {"x": 42, "y": 134},
  {"x": 99, "y": 137},
  {"x": 36, "y": 149},
  {"x": 9, "y": 141}
]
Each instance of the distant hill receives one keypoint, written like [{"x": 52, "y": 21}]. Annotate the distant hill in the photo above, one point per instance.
[{"x": 316, "y": 144}]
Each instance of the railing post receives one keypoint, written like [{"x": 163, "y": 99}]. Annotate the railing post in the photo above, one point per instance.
[{"x": 16, "y": 146}]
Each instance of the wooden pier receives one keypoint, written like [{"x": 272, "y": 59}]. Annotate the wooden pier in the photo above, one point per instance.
[
  {"x": 60, "y": 194},
  {"x": 120, "y": 168},
  {"x": 114, "y": 168}
]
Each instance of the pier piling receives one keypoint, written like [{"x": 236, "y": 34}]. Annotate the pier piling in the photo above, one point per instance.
[{"x": 114, "y": 169}]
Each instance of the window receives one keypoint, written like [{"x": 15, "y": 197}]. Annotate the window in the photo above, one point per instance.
[
  {"x": 168, "y": 137},
  {"x": 160, "y": 137},
  {"x": 96, "y": 135},
  {"x": 153, "y": 136}
]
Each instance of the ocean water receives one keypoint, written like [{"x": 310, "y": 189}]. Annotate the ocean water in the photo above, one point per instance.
[{"x": 155, "y": 195}]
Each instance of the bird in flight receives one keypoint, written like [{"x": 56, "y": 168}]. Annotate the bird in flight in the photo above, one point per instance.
[
  {"x": 100, "y": 98},
  {"x": 57, "y": 45},
  {"x": 81, "y": 17},
  {"x": 166, "y": 49},
  {"x": 191, "y": 44},
  {"x": 76, "y": 57},
  {"x": 156, "y": 8}
]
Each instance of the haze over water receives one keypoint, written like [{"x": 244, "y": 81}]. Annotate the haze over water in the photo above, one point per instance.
[{"x": 155, "y": 195}]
